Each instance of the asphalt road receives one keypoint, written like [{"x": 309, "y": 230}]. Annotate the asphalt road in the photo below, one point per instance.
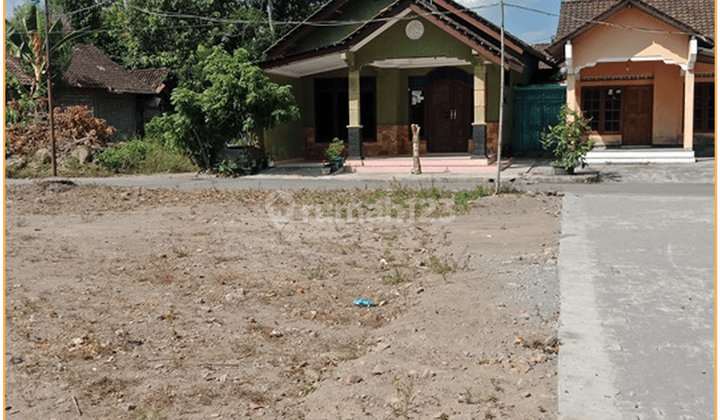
[{"x": 637, "y": 317}]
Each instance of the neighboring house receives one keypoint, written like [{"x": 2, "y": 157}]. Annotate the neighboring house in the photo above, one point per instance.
[
  {"x": 387, "y": 64},
  {"x": 642, "y": 70},
  {"x": 125, "y": 99}
]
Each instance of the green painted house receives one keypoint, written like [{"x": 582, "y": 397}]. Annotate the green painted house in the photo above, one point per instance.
[{"x": 365, "y": 70}]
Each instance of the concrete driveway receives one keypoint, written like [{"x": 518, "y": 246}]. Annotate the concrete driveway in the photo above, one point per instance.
[{"x": 637, "y": 317}]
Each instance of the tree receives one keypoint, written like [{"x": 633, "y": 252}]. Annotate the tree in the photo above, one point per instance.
[
  {"x": 226, "y": 97},
  {"x": 155, "y": 33},
  {"x": 25, "y": 39}
]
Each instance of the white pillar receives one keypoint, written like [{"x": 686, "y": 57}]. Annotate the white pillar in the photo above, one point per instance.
[{"x": 689, "y": 113}]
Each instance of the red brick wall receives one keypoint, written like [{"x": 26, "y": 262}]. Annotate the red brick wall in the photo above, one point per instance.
[{"x": 392, "y": 140}]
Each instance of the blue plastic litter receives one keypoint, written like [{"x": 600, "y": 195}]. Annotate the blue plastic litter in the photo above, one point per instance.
[{"x": 363, "y": 302}]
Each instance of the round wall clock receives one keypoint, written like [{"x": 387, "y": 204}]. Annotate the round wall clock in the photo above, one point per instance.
[{"x": 414, "y": 29}]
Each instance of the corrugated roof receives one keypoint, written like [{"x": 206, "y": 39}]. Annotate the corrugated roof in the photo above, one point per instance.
[
  {"x": 696, "y": 14},
  {"x": 91, "y": 68}
]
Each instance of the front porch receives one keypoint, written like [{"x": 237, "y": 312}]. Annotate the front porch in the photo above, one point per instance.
[
  {"x": 434, "y": 163},
  {"x": 366, "y": 85}
]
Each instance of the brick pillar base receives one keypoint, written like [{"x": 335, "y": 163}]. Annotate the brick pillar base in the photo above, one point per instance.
[
  {"x": 354, "y": 141},
  {"x": 479, "y": 140}
]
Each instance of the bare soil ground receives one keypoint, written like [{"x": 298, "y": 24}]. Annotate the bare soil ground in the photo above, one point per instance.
[{"x": 162, "y": 304}]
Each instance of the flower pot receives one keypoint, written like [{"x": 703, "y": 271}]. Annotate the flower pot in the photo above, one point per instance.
[{"x": 339, "y": 161}]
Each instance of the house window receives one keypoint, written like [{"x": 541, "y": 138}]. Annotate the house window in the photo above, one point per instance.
[
  {"x": 604, "y": 106},
  {"x": 332, "y": 112},
  {"x": 704, "y": 107}
]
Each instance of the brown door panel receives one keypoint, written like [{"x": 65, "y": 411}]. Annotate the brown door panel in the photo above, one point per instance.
[
  {"x": 448, "y": 115},
  {"x": 637, "y": 115}
]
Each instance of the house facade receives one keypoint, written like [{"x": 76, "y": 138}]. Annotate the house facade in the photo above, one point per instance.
[
  {"x": 364, "y": 71},
  {"x": 642, "y": 70}
]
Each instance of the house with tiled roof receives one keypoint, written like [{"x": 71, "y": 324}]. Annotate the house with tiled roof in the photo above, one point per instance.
[
  {"x": 364, "y": 71},
  {"x": 125, "y": 99},
  {"x": 643, "y": 70}
]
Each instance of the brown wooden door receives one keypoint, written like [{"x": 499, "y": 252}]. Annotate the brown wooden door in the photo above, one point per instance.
[
  {"x": 637, "y": 118},
  {"x": 448, "y": 114}
]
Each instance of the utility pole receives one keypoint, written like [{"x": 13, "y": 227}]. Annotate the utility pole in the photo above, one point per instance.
[
  {"x": 49, "y": 82},
  {"x": 502, "y": 92}
]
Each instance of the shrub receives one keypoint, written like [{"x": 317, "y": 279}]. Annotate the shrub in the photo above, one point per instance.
[
  {"x": 144, "y": 156},
  {"x": 568, "y": 139}
]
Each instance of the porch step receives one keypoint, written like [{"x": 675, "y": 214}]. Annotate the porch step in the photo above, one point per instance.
[
  {"x": 429, "y": 164},
  {"x": 644, "y": 155}
]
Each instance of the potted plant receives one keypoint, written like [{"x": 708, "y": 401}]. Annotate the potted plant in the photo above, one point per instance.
[
  {"x": 334, "y": 153},
  {"x": 568, "y": 140}
]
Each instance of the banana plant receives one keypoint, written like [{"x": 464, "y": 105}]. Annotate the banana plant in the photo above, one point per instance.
[{"x": 25, "y": 38}]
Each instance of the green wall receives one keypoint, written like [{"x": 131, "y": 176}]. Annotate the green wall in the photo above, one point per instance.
[
  {"x": 391, "y": 84},
  {"x": 286, "y": 140},
  {"x": 393, "y": 43},
  {"x": 354, "y": 11}
]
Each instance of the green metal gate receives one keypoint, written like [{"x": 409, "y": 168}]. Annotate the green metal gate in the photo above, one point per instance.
[{"x": 536, "y": 107}]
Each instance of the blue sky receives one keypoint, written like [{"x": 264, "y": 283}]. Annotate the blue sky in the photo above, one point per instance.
[{"x": 529, "y": 26}]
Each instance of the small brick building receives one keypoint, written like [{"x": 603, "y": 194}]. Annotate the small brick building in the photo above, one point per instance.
[{"x": 125, "y": 99}]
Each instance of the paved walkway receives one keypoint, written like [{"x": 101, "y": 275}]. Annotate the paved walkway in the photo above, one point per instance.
[
  {"x": 524, "y": 174},
  {"x": 637, "y": 317}
]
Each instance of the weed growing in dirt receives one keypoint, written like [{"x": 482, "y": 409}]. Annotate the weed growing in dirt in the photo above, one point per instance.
[
  {"x": 317, "y": 273},
  {"x": 404, "y": 392},
  {"x": 307, "y": 388},
  {"x": 154, "y": 416},
  {"x": 387, "y": 256},
  {"x": 489, "y": 415},
  {"x": 496, "y": 385},
  {"x": 440, "y": 267},
  {"x": 468, "y": 397},
  {"x": 493, "y": 399},
  {"x": 462, "y": 198},
  {"x": 443, "y": 416},
  {"x": 396, "y": 277}
]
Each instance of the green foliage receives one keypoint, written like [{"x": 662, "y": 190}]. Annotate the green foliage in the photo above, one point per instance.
[
  {"x": 21, "y": 110},
  {"x": 396, "y": 277},
  {"x": 334, "y": 150},
  {"x": 149, "y": 33},
  {"x": 462, "y": 198},
  {"x": 228, "y": 168},
  {"x": 145, "y": 157},
  {"x": 25, "y": 38},
  {"x": 440, "y": 267},
  {"x": 568, "y": 139},
  {"x": 227, "y": 95}
]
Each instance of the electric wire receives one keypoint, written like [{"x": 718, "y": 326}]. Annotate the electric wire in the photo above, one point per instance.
[{"x": 212, "y": 21}]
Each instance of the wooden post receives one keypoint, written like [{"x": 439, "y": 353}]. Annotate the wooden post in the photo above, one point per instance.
[{"x": 416, "y": 170}]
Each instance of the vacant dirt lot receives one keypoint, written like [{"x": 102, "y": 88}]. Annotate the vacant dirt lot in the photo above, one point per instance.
[{"x": 160, "y": 304}]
